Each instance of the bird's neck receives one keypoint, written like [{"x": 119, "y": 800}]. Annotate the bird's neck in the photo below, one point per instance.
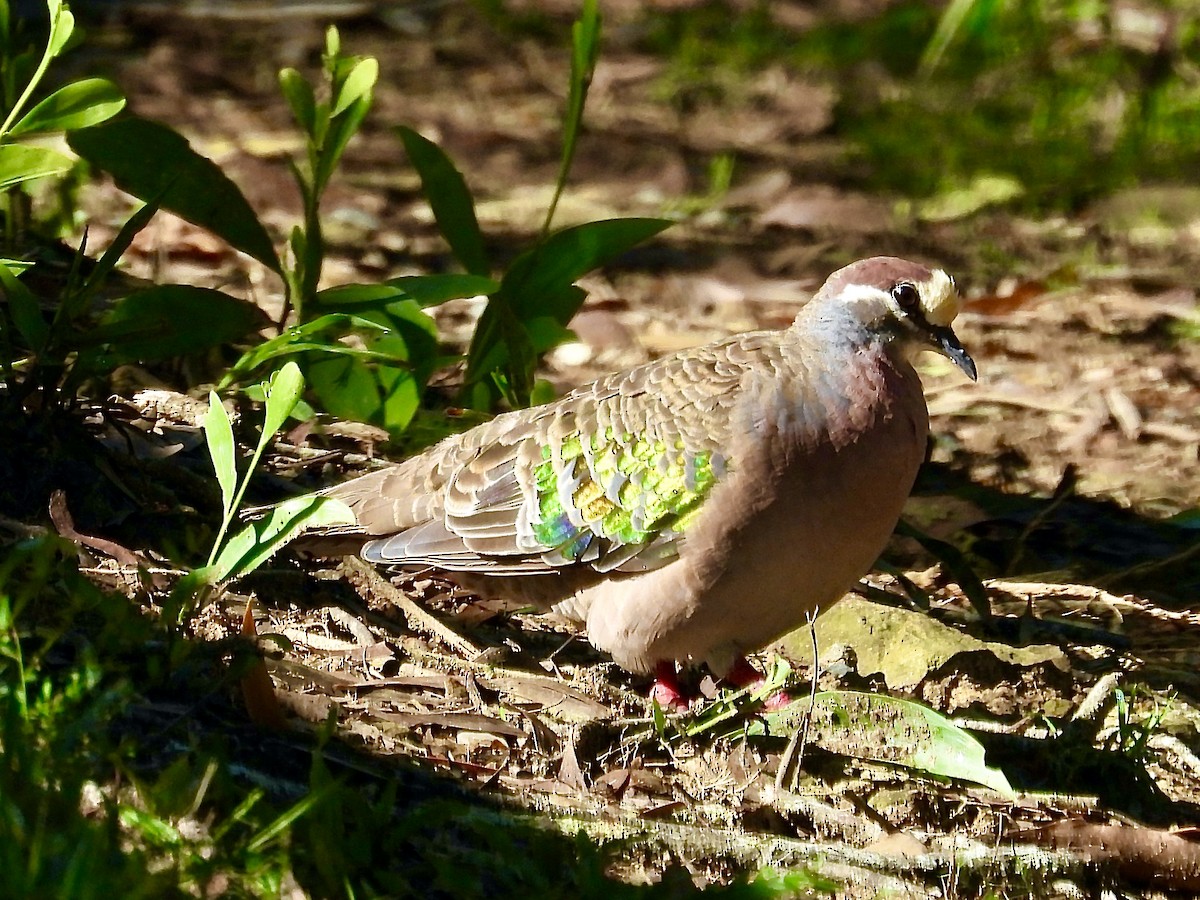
[{"x": 843, "y": 374}]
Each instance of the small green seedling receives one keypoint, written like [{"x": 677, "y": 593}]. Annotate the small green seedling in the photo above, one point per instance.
[{"x": 233, "y": 557}]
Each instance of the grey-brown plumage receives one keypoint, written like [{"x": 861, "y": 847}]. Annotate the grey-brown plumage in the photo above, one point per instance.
[{"x": 697, "y": 507}]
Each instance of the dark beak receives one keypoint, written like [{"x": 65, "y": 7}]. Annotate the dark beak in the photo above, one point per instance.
[{"x": 946, "y": 342}]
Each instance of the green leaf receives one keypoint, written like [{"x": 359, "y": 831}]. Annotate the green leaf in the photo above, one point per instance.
[
  {"x": 565, "y": 256},
  {"x": 447, "y": 193},
  {"x": 218, "y": 434},
  {"x": 341, "y": 130},
  {"x": 317, "y": 334},
  {"x": 387, "y": 396},
  {"x": 347, "y": 298},
  {"x": 540, "y": 284},
  {"x": 122, "y": 242},
  {"x": 76, "y": 105},
  {"x": 585, "y": 48},
  {"x": 431, "y": 290},
  {"x": 358, "y": 84},
  {"x": 156, "y": 832},
  {"x": 165, "y": 166},
  {"x": 62, "y": 24},
  {"x": 21, "y": 162},
  {"x": 286, "y": 387},
  {"x": 333, "y": 45},
  {"x": 299, "y": 95},
  {"x": 426, "y": 290},
  {"x": 890, "y": 730},
  {"x": 254, "y": 545},
  {"x": 187, "y": 592},
  {"x": 175, "y": 319},
  {"x": 519, "y": 356},
  {"x": 543, "y": 392},
  {"x": 25, "y": 310},
  {"x": 384, "y": 395},
  {"x": 545, "y": 333}
]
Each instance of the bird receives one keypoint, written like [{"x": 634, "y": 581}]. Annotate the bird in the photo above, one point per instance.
[{"x": 698, "y": 507}]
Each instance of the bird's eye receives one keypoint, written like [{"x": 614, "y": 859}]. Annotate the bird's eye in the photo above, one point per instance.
[{"x": 906, "y": 296}]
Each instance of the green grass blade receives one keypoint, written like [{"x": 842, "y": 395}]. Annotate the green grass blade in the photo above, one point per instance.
[{"x": 585, "y": 49}]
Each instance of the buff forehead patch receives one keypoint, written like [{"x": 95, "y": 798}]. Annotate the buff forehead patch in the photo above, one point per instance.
[{"x": 939, "y": 299}]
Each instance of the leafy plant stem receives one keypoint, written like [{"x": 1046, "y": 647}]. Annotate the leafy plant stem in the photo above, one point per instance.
[
  {"x": 56, "y": 12},
  {"x": 231, "y": 511}
]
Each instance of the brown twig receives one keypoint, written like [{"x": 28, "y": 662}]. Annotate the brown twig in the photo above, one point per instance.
[{"x": 370, "y": 584}]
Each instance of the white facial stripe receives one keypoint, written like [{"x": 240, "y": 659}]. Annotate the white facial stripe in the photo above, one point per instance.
[
  {"x": 868, "y": 303},
  {"x": 940, "y": 302}
]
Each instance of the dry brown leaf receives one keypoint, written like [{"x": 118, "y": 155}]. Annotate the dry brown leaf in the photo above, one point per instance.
[
  {"x": 257, "y": 691},
  {"x": 1146, "y": 855}
]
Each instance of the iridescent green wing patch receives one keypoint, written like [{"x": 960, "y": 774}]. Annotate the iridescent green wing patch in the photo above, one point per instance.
[{"x": 610, "y": 490}]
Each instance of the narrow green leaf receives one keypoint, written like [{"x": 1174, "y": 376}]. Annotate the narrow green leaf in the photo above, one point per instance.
[
  {"x": 949, "y": 24},
  {"x": 447, "y": 193},
  {"x": 76, "y": 105},
  {"x": 108, "y": 261},
  {"x": 157, "y": 832},
  {"x": 62, "y": 24},
  {"x": 891, "y": 730},
  {"x": 384, "y": 395},
  {"x": 358, "y": 84},
  {"x": 175, "y": 319},
  {"x": 334, "y": 143},
  {"x": 356, "y": 297},
  {"x": 282, "y": 824},
  {"x": 431, "y": 290},
  {"x": 568, "y": 254},
  {"x": 25, "y": 310},
  {"x": 22, "y": 162},
  {"x": 426, "y": 290},
  {"x": 287, "y": 385},
  {"x": 540, "y": 284},
  {"x": 218, "y": 434},
  {"x": 585, "y": 48},
  {"x": 299, "y": 95},
  {"x": 166, "y": 166},
  {"x": 515, "y": 346},
  {"x": 317, "y": 333},
  {"x": 255, "y": 544},
  {"x": 333, "y": 45}
]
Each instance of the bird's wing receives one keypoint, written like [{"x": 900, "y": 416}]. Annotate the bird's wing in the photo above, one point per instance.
[{"x": 609, "y": 476}]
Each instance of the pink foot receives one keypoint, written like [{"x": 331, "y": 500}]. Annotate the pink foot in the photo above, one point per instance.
[
  {"x": 667, "y": 690},
  {"x": 744, "y": 675}
]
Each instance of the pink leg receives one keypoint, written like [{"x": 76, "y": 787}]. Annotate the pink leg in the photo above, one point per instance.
[
  {"x": 744, "y": 675},
  {"x": 667, "y": 690}
]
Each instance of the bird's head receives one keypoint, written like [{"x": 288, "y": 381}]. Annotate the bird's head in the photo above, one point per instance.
[{"x": 904, "y": 302}]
